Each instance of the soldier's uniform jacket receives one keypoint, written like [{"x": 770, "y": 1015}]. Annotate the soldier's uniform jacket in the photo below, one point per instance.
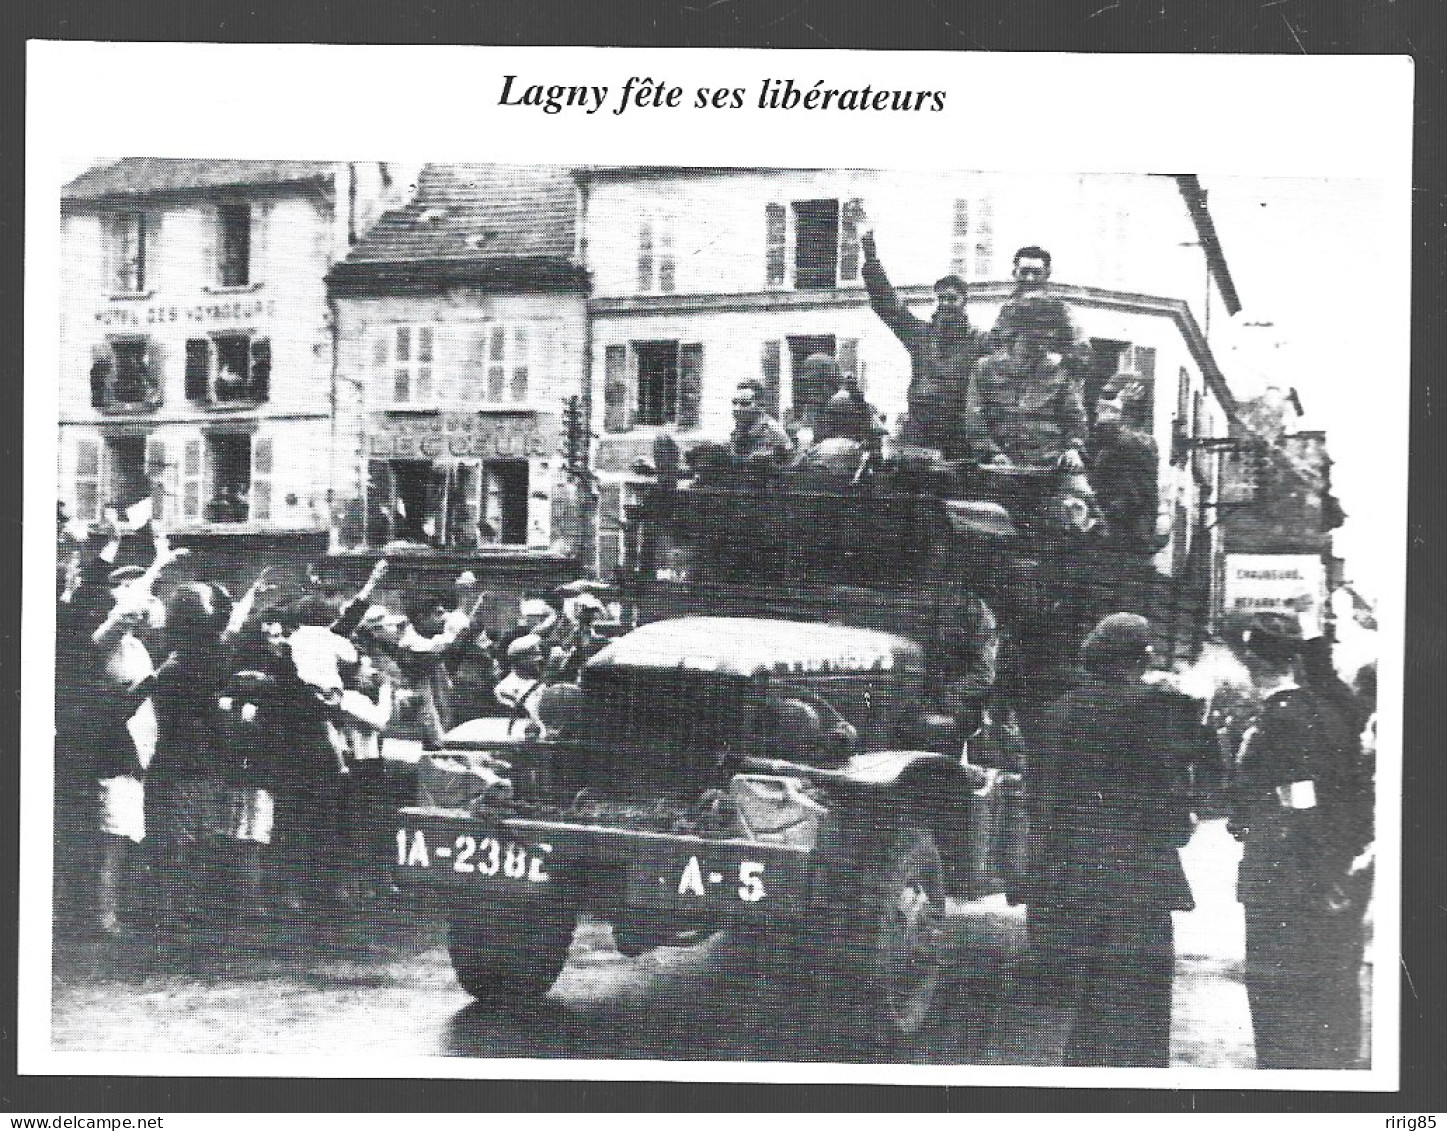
[
  {"x": 1033, "y": 413},
  {"x": 940, "y": 363},
  {"x": 1299, "y": 842},
  {"x": 764, "y": 436},
  {"x": 1124, "y": 470}
]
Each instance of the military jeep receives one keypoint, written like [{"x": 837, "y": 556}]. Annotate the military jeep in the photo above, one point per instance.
[{"x": 762, "y": 752}]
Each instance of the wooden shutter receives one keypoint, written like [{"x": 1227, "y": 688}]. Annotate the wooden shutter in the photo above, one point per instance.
[
  {"x": 381, "y": 364},
  {"x": 984, "y": 238},
  {"x": 208, "y": 246},
  {"x": 690, "y": 384},
  {"x": 776, "y": 236},
  {"x": 518, "y": 388},
  {"x": 87, "y": 479},
  {"x": 645, "y": 255},
  {"x": 161, "y": 475},
  {"x": 770, "y": 369},
  {"x": 261, "y": 469},
  {"x": 667, "y": 265},
  {"x": 960, "y": 239},
  {"x": 851, "y": 217},
  {"x": 258, "y": 270},
  {"x": 198, "y": 370},
  {"x": 617, "y": 388},
  {"x": 260, "y": 383},
  {"x": 610, "y": 530},
  {"x": 191, "y": 475},
  {"x": 153, "y": 280},
  {"x": 466, "y": 500},
  {"x": 496, "y": 362},
  {"x": 102, "y": 374}
]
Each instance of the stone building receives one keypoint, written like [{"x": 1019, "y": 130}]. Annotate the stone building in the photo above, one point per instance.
[
  {"x": 197, "y": 345},
  {"x": 462, "y": 328},
  {"x": 703, "y": 277}
]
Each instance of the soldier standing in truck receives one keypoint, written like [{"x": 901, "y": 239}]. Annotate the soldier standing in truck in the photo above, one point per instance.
[{"x": 942, "y": 354}]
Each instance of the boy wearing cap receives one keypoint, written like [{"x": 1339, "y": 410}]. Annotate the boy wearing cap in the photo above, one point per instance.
[{"x": 1302, "y": 810}]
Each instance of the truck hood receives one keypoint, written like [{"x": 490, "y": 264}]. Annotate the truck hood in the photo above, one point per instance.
[{"x": 749, "y": 646}]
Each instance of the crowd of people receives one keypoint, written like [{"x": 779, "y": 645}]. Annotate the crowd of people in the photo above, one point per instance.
[{"x": 219, "y": 762}]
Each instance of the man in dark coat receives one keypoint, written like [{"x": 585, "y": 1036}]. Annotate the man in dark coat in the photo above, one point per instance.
[
  {"x": 1125, "y": 472},
  {"x": 1108, "y": 812},
  {"x": 942, "y": 355},
  {"x": 1303, "y": 812}
]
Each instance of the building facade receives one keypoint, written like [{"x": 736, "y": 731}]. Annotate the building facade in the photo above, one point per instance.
[
  {"x": 197, "y": 343},
  {"x": 462, "y": 323},
  {"x": 703, "y": 277}
]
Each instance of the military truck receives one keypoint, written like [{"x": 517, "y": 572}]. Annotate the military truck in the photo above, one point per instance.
[{"x": 774, "y": 747}]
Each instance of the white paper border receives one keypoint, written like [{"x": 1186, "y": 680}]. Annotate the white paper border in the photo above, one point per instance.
[{"x": 1322, "y": 116}]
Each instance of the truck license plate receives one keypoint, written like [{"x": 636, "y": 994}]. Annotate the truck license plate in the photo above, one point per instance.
[{"x": 469, "y": 855}]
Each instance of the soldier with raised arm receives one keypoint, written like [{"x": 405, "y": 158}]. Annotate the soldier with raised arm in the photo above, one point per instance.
[{"x": 942, "y": 354}]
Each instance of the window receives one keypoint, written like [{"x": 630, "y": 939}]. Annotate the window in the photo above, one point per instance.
[
  {"x": 128, "y": 480},
  {"x": 228, "y": 458},
  {"x": 233, "y": 223},
  {"x": 652, "y": 383},
  {"x": 824, "y": 235},
  {"x": 228, "y": 369},
  {"x": 657, "y": 268},
  {"x": 130, "y": 237},
  {"x": 464, "y": 505},
  {"x": 123, "y": 376},
  {"x": 506, "y": 364},
  {"x": 403, "y": 360},
  {"x": 972, "y": 238},
  {"x": 87, "y": 479}
]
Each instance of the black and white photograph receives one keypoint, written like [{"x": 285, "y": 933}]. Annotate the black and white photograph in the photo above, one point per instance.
[{"x": 897, "y": 613}]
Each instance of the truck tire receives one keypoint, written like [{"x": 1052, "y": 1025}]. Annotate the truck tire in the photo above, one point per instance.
[
  {"x": 510, "y": 950},
  {"x": 886, "y": 962}
]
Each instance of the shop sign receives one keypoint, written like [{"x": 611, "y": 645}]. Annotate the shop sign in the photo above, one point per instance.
[
  {"x": 230, "y": 313},
  {"x": 462, "y": 435},
  {"x": 1275, "y": 583}
]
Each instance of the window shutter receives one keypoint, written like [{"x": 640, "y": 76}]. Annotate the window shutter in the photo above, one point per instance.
[
  {"x": 848, "y": 356},
  {"x": 776, "y": 235},
  {"x": 87, "y": 479},
  {"x": 381, "y": 364},
  {"x": 152, "y": 262},
  {"x": 960, "y": 239},
  {"x": 1145, "y": 363},
  {"x": 102, "y": 375},
  {"x": 770, "y": 369},
  {"x": 496, "y": 363},
  {"x": 257, "y": 271},
  {"x": 617, "y": 390},
  {"x": 610, "y": 530},
  {"x": 519, "y": 389},
  {"x": 850, "y": 219},
  {"x": 645, "y": 255},
  {"x": 260, "y": 369},
  {"x": 198, "y": 370},
  {"x": 667, "y": 266},
  {"x": 690, "y": 384},
  {"x": 208, "y": 247},
  {"x": 159, "y": 473},
  {"x": 261, "y": 465},
  {"x": 191, "y": 482},
  {"x": 985, "y": 239}
]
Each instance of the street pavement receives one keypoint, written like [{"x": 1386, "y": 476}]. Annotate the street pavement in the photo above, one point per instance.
[{"x": 384, "y": 985}]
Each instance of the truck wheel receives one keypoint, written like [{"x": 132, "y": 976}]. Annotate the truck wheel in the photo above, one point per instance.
[
  {"x": 890, "y": 956},
  {"x": 510, "y": 950}
]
